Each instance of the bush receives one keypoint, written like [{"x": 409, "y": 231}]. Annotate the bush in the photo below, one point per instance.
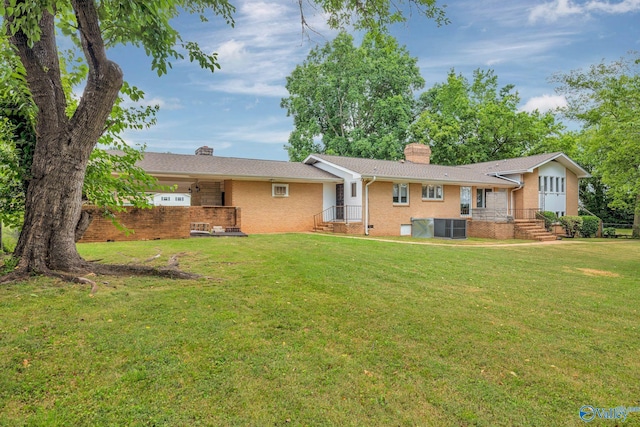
[
  {"x": 549, "y": 218},
  {"x": 609, "y": 232},
  {"x": 590, "y": 226},
  {"x": 572, "y": 224}
]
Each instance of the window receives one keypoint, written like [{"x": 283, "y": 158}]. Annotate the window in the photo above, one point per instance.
[
  {"x": 551, "y": 184},
  {"x": 354, "y": 189},
  {"x": 465, "y": 201},
  {"x": 432, "y": 192},
  {"x": 401, "y": 194},
  {"x": 546, "y": 187},
  {"x": 562, "y": 185},
  {"x": 280, "y": 190},
  {"x": 558, "y": 185},
  {"x": 540, "y": 184},
  {"x": 180, "y": 199},
  {"x": 165, "y": 198},
  {"x": 481, "y": 197}
]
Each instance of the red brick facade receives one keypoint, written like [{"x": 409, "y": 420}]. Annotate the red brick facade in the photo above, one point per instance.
[{"x": 161, "y": 222}]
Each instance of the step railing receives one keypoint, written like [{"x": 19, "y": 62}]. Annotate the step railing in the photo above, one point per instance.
[
  {"x": 530, "y": 214},
  {"x": 346, "y": 214}
]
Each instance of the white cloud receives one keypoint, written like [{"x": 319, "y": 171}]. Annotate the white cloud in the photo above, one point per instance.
[
  {"x": 544, "y": 103},
  {"x": 558, "y": 9},
  {"x": 261, "y": 50}
]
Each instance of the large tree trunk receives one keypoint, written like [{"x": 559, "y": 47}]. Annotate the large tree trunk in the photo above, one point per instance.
[
  {"x": 63, "y": 145},
  {"x": 53, "y": 207}
]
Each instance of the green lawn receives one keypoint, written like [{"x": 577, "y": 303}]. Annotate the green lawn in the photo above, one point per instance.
[{"x": 320, "y": 330}]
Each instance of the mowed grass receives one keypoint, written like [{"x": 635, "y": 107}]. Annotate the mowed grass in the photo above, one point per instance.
[{"x": 321, "y": 330}]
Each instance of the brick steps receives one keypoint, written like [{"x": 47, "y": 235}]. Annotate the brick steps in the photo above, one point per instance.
[
  {"x": 326, "y": 227},
  {"x": 533, "y": 230}
]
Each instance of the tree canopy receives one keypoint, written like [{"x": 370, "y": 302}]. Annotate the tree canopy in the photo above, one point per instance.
[
  {"x": 474, "y": 121},
  {"x": 606, "y": 99},
  {"x": 353, "y": 101}
]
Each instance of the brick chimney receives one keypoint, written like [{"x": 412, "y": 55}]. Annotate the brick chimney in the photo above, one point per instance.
[
  {"x": 417, "y": 153},
  {"x": 204, "y": 151}
]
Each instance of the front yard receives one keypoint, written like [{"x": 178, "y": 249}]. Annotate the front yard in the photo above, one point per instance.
[{"x": 321, "y": 330}]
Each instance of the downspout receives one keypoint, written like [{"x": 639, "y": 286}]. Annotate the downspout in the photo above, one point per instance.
[
  {"x": 366, "y": 206},
  {"x": 520, "y": 186}
]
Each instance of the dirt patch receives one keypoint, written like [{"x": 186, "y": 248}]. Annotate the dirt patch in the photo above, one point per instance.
[{"x": 592, "y": 272}]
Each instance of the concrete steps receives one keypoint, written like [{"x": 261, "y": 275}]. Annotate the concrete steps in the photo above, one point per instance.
[{"x": 533, "y": 230}]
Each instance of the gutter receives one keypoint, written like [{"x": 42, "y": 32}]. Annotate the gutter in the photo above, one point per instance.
[{"x": 366, "y": 206}]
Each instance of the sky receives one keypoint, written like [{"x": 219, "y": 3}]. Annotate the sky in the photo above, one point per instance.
[{"x": 236, "y": 110}]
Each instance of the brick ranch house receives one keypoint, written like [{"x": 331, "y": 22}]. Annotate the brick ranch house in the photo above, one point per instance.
[{"x": 497, "y": 199}]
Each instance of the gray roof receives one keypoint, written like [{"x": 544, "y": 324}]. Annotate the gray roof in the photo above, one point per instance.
[
  {"x": 528, "y": 164},
  {"x": 203, "y": 166},
  {"x": 403, "y": 170}
]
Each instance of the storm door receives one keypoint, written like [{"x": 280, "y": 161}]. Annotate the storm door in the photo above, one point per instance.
[{"x": 340, "y": 201}]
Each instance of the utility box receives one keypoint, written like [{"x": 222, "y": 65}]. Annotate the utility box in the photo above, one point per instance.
[
  {"x": 422, "y": 227},
  {"x": 450, "y": 228}
]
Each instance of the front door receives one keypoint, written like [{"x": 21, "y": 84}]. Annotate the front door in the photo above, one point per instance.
[{"x": 340, "y": 201}]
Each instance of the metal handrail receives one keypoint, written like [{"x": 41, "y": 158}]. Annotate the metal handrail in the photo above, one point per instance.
[
  {"x": 346, "y": 213},
  {"x": 525, "y": 213}
]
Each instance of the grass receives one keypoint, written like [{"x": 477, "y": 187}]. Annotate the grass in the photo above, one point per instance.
[
  {"x": 320, "y": 330},
  {"x": 9, "y": 239},
  {"x": 624, "y": 231}
]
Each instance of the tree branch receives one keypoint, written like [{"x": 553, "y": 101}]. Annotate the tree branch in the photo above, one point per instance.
[
  {"x": 104, "y": 79},
  {"x": 40, "y": 60}
]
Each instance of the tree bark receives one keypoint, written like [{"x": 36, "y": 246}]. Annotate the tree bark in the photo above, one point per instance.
[{"x": 53, "y": 202}]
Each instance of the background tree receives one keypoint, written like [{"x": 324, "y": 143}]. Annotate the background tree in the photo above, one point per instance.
[
  {"x": 606, "y": 99},
  {"x": 353, "y": 101},
  {"x": 469, "y": 122},
  {"x": 64, "y": 143}
]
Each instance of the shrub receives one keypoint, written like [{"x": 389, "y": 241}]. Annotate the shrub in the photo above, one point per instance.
[
  {"x": 609, "y": 232},
  {"x": 549, "y": 218},
  {"x": 572, "y": 224},
  {"x": 590, "y": 226}
]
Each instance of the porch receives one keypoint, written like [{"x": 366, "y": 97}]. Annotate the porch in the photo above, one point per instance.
[{"x": 345, "y": 219}]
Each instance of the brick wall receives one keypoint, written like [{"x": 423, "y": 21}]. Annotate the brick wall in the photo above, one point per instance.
[
  {"x": 490, "y": 230},
  {"x": 386, "y": 217},
  {"x": 571, "y": 193},
  {"x": 222, "y": 216},
  {"x": 160, "y": 222},
  {"x": 351, "y": 228},
  {"x": 263, "y": 213},
  {"x": 530, "y": 193}
]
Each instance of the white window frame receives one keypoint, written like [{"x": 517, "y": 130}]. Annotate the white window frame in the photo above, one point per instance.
[
  {"x": 165, "y": 198},
  {"x": 179, "y": 198},
  {"x": 279, "y": 190},
  {"x": 397, "y": 188},
  {"x": 433, "y": 192},
  {"x": 354, "y": 189}
]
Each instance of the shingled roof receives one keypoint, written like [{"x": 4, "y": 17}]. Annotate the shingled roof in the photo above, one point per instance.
[
  {"x": 167, "y": 164},
  {"x": 403, "y": 170},
  {"x": 528, "y": 164}
]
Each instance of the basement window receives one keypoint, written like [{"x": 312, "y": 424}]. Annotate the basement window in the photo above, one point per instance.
[{"x": 280, "y": 190}]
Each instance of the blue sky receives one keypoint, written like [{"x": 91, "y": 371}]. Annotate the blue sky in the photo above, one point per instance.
[{"x": 236, "y": 110}]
